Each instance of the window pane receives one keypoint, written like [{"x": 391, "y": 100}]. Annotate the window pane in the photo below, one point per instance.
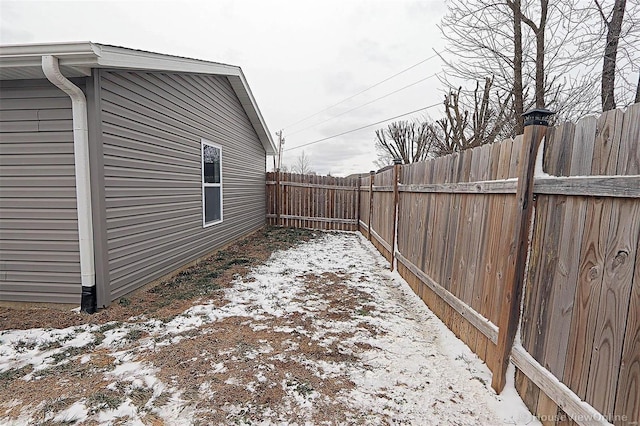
[
  {"x": 211, "y": 162},
  {"x": 212, "y": 205}
]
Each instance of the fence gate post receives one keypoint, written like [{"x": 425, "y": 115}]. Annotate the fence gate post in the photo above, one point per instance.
[
  {"x": 396, "y": 176},
  {"x": 278, "y": 199},
  {"x": 372, "y": 175},
  {"x": 535, "y": 128}
]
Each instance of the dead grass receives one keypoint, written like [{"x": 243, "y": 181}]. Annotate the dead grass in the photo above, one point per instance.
[
  {"x": 170, "y": 297},
  {"x": 230, "y": 371}
]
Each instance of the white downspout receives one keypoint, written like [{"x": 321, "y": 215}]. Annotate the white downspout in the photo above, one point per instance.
[{"x": 83, "y": 185}]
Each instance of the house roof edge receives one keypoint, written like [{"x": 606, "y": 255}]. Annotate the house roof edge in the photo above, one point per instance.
[{"x": 78, "y": 58}]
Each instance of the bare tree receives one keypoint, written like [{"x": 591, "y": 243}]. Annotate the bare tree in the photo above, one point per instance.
[
  {"x": 518, "y": 84},
  {"x": 612, "y": 21},
  {"x": 408, "y": 140},
  {"x": 539, "y": 31},
  {"x": 302, "y": 165},
  {"x": 533, "y": 48},
  {"x": 462, "y": 129},
  {"x": 486, "y": 38}
]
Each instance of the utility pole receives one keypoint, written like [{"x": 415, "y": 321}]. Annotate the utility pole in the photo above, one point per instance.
[{"x": 280, "y": 143}]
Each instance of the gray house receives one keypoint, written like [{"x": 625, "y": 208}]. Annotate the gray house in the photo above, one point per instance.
[{"x": 119, "y": 166}]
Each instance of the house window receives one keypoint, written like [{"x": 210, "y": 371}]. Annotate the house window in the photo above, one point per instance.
[{"x": 211, "y": 183}]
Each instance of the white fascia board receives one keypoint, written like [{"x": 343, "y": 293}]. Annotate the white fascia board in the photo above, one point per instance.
[
  {"x": 123, "y": 58},
  {"x": 81, "y": 56},
  {"x": 82, "y": 48},
  {"x": 243, "y": 92}
]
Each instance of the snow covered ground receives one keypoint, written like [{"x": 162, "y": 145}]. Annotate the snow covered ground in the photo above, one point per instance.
[{"x": 320, "y": 334}]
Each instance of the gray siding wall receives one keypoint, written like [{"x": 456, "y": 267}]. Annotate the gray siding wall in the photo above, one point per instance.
[
  {"x": 152, "y": 124},
  {"x": 39, "y": 258}
]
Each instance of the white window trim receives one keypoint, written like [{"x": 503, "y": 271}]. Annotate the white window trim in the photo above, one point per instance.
[{"x": 204, "y": 142}]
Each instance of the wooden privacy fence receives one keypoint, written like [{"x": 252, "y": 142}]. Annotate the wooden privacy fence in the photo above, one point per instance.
[
  {"x": 448, "y": 225},
  {"x": 310, "y": 201}
]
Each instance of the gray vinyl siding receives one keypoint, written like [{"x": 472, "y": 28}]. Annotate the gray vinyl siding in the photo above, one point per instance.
[
  {"x": 152, "y": 125},
  {"x": 39, "y": 257}
]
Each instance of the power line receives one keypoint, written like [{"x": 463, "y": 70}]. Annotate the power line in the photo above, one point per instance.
[
  {"x": 363, "y": 127},
  {"x": 362, "y": 91},
  {"x": 360, "y": 106}
]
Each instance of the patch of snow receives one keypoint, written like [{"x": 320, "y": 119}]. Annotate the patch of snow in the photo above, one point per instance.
[
  {"x": 126, "y": 410},
  {"x": 218, "y": 368},
  {"x": 82, "y": 339},
  {"x": 112, "y": 338},
  {"x": 36, "y": 346},
  {"x": 260, "y": 377},
  {"x": 233, "y": 381},
  {"x": 176, "y": 411},
  {"x": 76, "y": 413}
]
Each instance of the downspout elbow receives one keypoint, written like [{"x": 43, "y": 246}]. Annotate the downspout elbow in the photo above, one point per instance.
[{"x": 51, "y": 70}]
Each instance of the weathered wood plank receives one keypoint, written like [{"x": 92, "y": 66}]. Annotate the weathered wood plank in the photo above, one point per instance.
[
  {"x": 614, "y": 304},
  {"x": 383, "y": 188},
  {"x": 478, "y": 241},
  {"x": 452, "y": 227},
  {"x": 607, "y": 143},
  {"x": 627, "y": 408},
  {"x": 610, "y": 186},
  {"x": 557, "y": 159},
  {"x": 501, "y": 245},
  {"x": 629, "y": 154},
  {"x": 482, "y": 254},
  {"x": 583, "y": 145},
  {"x": 543, "y": 261},
  {"x": 557, "y": 308},
  {"x": 586, "y": 299},
  {"x": 505, "y": 159},
  {"x": 538, "y": 259},
  {"x": 515, "y": 156},
  {"x": 314, "y": 219}
]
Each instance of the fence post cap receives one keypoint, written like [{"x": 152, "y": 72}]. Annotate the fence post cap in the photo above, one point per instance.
[
  {"x": 537, "y": 116},
  {"x": 397, "y": 160},
  {"x": 372, "y": 172}
]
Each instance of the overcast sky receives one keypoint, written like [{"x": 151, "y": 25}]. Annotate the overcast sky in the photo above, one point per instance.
[{"x": 298, "y": 56}]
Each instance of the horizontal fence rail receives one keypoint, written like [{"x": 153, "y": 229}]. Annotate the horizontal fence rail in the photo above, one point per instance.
[{"x": 448, "y": 226}]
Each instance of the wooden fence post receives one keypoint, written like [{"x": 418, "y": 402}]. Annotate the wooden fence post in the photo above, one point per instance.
[
  {"x": 357, "y": 215},
  {"x": 372, "y": 175},
  {"x": 534, "y": 131},
  {"x": 396, "y": 175},
  {"x": 278, "y": 200}
]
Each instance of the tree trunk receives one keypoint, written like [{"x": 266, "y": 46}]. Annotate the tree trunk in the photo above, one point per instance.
[
  {"x": 540, "y": 47},
  {"x": 538, "y": 30},
  {"x": 518, "y": 95},
  {"x": 638, "y": 91},
  {"x": 610, "y": 52}
]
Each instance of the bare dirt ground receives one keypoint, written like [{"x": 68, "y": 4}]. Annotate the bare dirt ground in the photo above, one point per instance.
[{"x": 286, "y": 327}]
